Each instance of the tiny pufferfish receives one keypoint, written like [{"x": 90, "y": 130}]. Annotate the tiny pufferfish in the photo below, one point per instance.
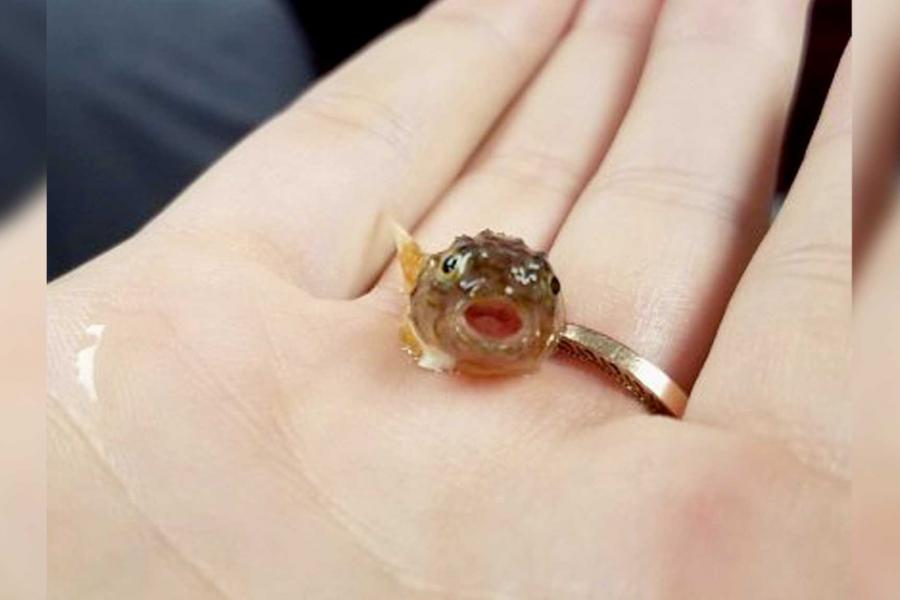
[{"x": 487, "y": 305}]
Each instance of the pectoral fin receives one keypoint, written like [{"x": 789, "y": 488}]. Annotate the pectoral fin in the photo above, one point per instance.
[
  {"x": 410, "y": 340},
  {"x": 410, "y": 256}
]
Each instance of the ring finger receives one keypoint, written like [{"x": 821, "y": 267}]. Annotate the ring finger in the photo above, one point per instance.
[{"x": 660, "y": 236}]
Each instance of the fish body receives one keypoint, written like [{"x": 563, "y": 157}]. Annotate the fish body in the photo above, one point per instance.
[{"x": 486, "y": 305}]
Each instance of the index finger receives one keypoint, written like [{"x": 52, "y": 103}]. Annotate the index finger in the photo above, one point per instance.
[{"x": 311, "y": 193}]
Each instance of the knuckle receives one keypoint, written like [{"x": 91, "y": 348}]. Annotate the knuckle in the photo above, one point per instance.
[
  {"x": 769, "y": 30},
  {"x": 530, "y": 168},
  {"x": 674, "y": 188},
  {"x": 475, "y": 23},
  {"x": 628, "y": 18},
  {"x": 827, "y": 262},
  {"x": 359, "y": 115}
]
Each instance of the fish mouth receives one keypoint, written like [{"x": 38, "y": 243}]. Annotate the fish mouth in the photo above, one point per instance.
[{"x": 493, "y": 318}]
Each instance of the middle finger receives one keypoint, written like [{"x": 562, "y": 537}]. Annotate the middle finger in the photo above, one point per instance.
[
  {"x": 534, "y": 164},
  {"x": 655, "y": 245}
]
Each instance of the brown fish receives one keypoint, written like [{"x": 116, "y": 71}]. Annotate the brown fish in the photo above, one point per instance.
[{"x": 487, "y": 305}]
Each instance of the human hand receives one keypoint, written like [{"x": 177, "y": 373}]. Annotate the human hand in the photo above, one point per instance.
[
  {"x": 876, "y": 450},
  {"x": 231, "y": 414},
  {"x": 876, "y": 341}
]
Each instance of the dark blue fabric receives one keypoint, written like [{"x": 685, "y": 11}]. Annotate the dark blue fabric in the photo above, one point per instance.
[
  {"x": 22, "y": 57},
  {"x": 144, "y": 95}
]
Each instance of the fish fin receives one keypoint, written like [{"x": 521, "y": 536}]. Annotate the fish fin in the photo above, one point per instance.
[
  {"x": 410, "y": 256},
  {"x": 410, "y": 340},
  {"x": 427, "y": 357},
  {"x": 433, "y": 359}
]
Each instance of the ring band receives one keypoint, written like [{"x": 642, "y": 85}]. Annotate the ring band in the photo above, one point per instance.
[{"x": 640, "y": 378}]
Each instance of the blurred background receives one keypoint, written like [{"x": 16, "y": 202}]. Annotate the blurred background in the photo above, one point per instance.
[
  {"x": 22, "y": 111},
  {"x": 144, "y": 95}
]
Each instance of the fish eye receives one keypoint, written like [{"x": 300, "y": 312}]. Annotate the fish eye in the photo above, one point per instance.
[
  {"x": 555, "y": 286},
  {"x": 450, "y": 263}
]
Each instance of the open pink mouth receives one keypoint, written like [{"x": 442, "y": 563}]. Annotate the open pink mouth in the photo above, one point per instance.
[{"x": 494, "y": 318}]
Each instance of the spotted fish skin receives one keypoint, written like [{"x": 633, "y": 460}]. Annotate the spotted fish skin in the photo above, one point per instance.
[{"x": 486, "y": 305}]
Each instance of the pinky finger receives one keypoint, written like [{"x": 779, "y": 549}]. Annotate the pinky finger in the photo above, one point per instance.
[{"x": 780, "y": 361}]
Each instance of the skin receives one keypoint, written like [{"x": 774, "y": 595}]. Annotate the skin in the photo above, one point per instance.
[
  {"x": 257, "y": 432},
  {"x": 876, "y": 546},
  {"x": 876, "y": 542},
  {"x": 23, "y": 480}
]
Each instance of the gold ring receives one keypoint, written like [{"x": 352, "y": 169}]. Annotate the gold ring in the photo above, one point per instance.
[
  {"x": 638, "y": 376},
  {"x": 489, "y": 305}
]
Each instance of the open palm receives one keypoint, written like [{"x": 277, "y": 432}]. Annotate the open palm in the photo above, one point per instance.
[{"x": 231, "y": 413}]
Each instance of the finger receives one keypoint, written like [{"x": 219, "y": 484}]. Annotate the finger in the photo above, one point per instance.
[
  {"x": 311, "y": 193},
  {"x": 779, "y": 363},
  {"x": 876, "y": 118},
  {"x": 876, "y": 412},
  {"x": 525, "y": 178},
  {"x": 655, "y": 244}
]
